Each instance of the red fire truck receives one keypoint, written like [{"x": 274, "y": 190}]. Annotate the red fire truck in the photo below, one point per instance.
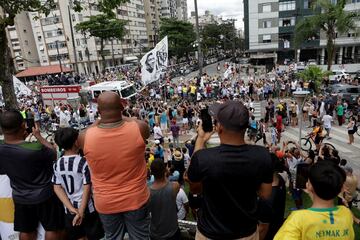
[{"x": 58, "y": 94}]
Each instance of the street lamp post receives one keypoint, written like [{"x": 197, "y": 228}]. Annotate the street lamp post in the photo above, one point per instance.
[
  {"x": 300, "y": 97},
  {"x": 200, "y": 58},
  {"x": 58, "y": 55}
]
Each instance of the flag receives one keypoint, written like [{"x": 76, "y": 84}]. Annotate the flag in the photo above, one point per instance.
[
  {"x": 155, "y": 62},
  {"x": 7, "y": 212}
]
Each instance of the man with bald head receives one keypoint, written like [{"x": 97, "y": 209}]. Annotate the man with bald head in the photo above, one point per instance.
[{"x": 115, "y": 148}]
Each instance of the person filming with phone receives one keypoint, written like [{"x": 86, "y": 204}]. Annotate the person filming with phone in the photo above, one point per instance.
[{"x": 231, "y": 176}]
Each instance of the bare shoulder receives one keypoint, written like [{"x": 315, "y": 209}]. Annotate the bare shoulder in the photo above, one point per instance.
[
  {"x": 143, "y": 126},
  {"x": 82, "y": 134}
]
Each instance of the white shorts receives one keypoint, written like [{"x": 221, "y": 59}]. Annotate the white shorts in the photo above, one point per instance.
[{"x": 163, "y": 126}]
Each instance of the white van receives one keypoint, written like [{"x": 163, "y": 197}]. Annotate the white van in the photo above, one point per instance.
[
  {"x": 123, "y": 88},
  {"x": 337, "y": 75}
]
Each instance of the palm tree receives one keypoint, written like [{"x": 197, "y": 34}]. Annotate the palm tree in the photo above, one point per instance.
[
  {"x": 315, "y": 74},
  {"x": 331, "y": 18}
]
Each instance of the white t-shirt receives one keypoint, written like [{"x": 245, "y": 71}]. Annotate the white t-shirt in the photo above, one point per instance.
[
  {"x": 181, "y": 199},
  {"x": 91, "y": 117},
  {"x": 157, "y": 133},
  {"x": 327, "y": 119},
  {"x": 198, "y": 96},
  {"x": 293, "y": 85},
  {"x": 64, "y": 119},
  {"x": 57, "y": 111}
]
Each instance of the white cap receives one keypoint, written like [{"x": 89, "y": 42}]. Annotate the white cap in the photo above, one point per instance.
[{"x": 157, "y": 142}]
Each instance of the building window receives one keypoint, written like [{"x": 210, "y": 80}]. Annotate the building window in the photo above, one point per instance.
[
  {"x": 80, "y": 55},
  {"x": 77, "y": 42},
  {"x": 306, "y": 4},
  {"x": 267, "y": 38},
  {"x": 80, "y": 16},
  {"x": 267, "y": 24},
  {"x": 53, "y": 33},
  {"x": 50, "y": 20},
  {"x": 286, "y": 43},
  {"x": 287, "y": 6},
  {"x": 122, "y": 12},
  {"x": 52, "y": 45},
  {"x": 286, "y": 22},
  {"x": 26, "y": 42},
  {"x": 54, "y": 58},
  {"x": 266, "y": 8}
]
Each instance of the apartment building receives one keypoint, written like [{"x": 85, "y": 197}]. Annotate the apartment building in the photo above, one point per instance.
[
  {"x": 157, "y": 9},
  {"x": 152, "y": 16},
  {"x": 53, "y": 39},
  {"x": 181, "y": 10},
  {"x": 173, "y": 9},
  {"x": 206, "y": 19},
  {"x": 22, "y": 43},
  {"x": 270, "y": 27}
]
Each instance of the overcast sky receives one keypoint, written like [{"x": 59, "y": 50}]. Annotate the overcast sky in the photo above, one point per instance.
[{"x": 225, "y": 8}]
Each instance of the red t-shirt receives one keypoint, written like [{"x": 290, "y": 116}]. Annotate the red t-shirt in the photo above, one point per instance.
[{"x": 279, "y": 122}]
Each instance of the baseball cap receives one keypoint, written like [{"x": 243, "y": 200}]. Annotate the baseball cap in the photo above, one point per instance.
[
  {"x": 157, "y": 141},
  {"x": 233, "y": 115}
]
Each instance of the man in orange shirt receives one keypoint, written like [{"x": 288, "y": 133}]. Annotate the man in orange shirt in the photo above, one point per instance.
[{"x": 115, "y": 148}]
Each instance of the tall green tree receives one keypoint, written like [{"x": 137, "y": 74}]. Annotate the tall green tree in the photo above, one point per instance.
[
  {"x": 330, "y": 18},
  {"x": 210, "y": 35},
  {"x": 105, "y": 27},
  {"x": 181, "y": 36},
  {"x": 8, "y": 10}
]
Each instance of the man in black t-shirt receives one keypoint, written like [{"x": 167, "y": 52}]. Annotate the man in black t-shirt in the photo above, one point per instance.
[
  {"x": 29, "y": 168},
  {"x": 230, "y": 177}
]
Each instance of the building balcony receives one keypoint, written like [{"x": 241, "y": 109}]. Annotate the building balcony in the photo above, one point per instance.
[
  {"x": 287, "y": 29},
  {"x": 310, "y": 44}
]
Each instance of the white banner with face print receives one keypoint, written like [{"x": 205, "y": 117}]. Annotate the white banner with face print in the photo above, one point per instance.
[{"x": 155, "y": 62}]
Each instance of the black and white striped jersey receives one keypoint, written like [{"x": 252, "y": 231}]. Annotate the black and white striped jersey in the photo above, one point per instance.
[{"x": 72, "y": 172}]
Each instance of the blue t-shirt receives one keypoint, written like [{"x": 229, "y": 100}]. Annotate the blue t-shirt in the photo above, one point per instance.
[
  {"x": 163, "y": 118},
  {"x": 253, "y": 124},
  {"x": 159, "y": 151}
]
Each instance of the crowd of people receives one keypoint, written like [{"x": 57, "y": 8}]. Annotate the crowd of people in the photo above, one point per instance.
[{"x": 143, "y": 166}]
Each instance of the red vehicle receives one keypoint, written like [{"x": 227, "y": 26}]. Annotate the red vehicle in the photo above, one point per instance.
[{"x": 52, "y": 95}]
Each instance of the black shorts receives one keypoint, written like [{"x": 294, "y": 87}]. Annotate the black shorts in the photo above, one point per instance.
[
  {"x": 351, "y": 132},
  {"x": 91, "y": 227},
  {"x": 318, "y": 139},
  {"x": 195, "y": 201},
  {"x": 49, "y": 213}
]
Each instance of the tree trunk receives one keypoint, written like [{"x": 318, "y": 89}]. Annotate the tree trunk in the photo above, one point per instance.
[
  {"x": 102, "y": 54},
  {"x": 6, "y": 72},
  {"x": 330, "y": 45}
]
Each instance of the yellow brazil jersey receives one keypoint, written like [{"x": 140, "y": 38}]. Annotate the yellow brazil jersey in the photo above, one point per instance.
[
  {"x": 192, "y": 89},
  {"x": 318, "y": 223}
]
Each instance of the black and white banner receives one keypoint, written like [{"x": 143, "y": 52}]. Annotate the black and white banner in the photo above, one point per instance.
[{"x": 155, "y": 62}]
